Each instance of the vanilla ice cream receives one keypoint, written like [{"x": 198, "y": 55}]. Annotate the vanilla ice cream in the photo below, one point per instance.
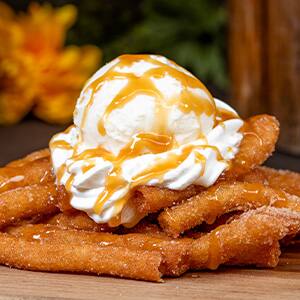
[{"x": 142, "y": 120}]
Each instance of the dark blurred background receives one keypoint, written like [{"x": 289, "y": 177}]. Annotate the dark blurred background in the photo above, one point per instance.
[{"x": 224, "y": 43}]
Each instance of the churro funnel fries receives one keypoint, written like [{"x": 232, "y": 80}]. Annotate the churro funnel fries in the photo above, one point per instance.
[{"x": 155, "y": 177}]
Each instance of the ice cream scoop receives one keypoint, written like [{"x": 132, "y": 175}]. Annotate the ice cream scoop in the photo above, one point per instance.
[{"x": 142, "y": 120}]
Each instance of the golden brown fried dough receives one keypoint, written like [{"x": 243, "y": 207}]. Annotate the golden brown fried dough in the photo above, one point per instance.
[
  {"x": 149, "y": 199},
  {"x": 38, "y": 171},
  {"x": 281, "y": 179},
  {"x": 77, "y": 220},
  {"x": 26, "y": 202},
  {"x": 175, "y": 253},
  {"x": 260, "y": 136},
  {"x": 146, "y": 199},
  {"x": 204, "y": 228},
  {"x": 44, "y": 153},
  {"x": 251, "y": 239},
  {"x": 90, "y": 258},
  {"x": 219, "y": 200},
  {"x": 63, "y": 200},
  {"x": 145, "y": 227},
  {"x": 71, "y": 241}
]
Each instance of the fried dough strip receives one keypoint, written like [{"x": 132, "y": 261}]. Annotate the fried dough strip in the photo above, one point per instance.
[
  {"x": 260, "y": 136},
  {"x": 38, "y": 171},
  {"x": 149, "y": 199},
  {"x": 143, "y": 227},
  {"x": 26, "y": 202},
  {"x": 221, "y": 199},
  {"x": 63, "y": 200},
  {"x": 285, "y": 180},
  {"x": 261, "y": 133},
  {"x": 204, "y": 228},
  {"x": 265, "y": 256},
  {"x": 146, "y": 199},
  {"x": 44, "y": 153},
  {"x": 90, "y": 258},
  {"x": 251, "y": 239},
  {"x": 79, "y": 221},
  {"x": 175, "y": 253}
]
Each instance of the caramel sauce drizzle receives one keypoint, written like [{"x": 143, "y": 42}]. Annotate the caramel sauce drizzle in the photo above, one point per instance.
[
  {"x": 253, "y": 191},
  {"x": 62, "y": 144},
  {"x": 214, "y": 259},
  {"x": 12, "y": 182},
  {"x": 157, "y": 141},
  {"x": 187, "y": 101},
  {"x": 224, "y": 115}
]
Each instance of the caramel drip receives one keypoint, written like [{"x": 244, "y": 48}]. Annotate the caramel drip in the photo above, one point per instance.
[
  {"x": 69, "y": 182},
  {"x": 61, "y": 144},
  {"x": 88, "y": 167},
  {"x": 159, "y": 140},
  {"x": 136, "y": 85},
  {"x": 13, "y": 182},
  {"x": 214, "y": 257},
  {"x": 254, "y": 191},
  {"x": 224, "y": 115},
  {"x": 114, "y": 222},
  {"x": 164, "y": 165},
  {"x": 115, "y": 182},
  {"x": 60, "y": 172},
  {"x": 187, "y": 101},
  {"x": 141, "y": 144}
]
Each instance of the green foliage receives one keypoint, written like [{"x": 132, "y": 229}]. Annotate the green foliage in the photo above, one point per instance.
[{"x": 191, "y": 32}]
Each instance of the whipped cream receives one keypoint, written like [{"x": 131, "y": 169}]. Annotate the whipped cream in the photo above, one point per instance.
[{"x": 142, "y": 120}]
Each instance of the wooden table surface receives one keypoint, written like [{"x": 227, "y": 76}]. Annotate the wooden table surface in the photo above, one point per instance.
[{"x": 226, "y": 283}]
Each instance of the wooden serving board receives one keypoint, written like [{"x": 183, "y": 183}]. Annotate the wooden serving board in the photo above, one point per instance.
[{"x": 226, "y": 283}]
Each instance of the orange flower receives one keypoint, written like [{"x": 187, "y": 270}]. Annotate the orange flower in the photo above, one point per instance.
[{"x": 36, "y": 71}]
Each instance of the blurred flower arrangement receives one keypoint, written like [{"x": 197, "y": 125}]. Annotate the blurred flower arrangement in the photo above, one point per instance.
[
  {"x": 36, "y": 71},
  {"x": 190, "y": 32}
]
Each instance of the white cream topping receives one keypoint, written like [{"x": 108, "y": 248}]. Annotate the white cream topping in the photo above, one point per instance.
[{"x": 139, "y": 116}]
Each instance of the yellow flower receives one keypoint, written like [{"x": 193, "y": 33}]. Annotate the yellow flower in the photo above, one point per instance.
[{"x": 36, "y": 71}]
